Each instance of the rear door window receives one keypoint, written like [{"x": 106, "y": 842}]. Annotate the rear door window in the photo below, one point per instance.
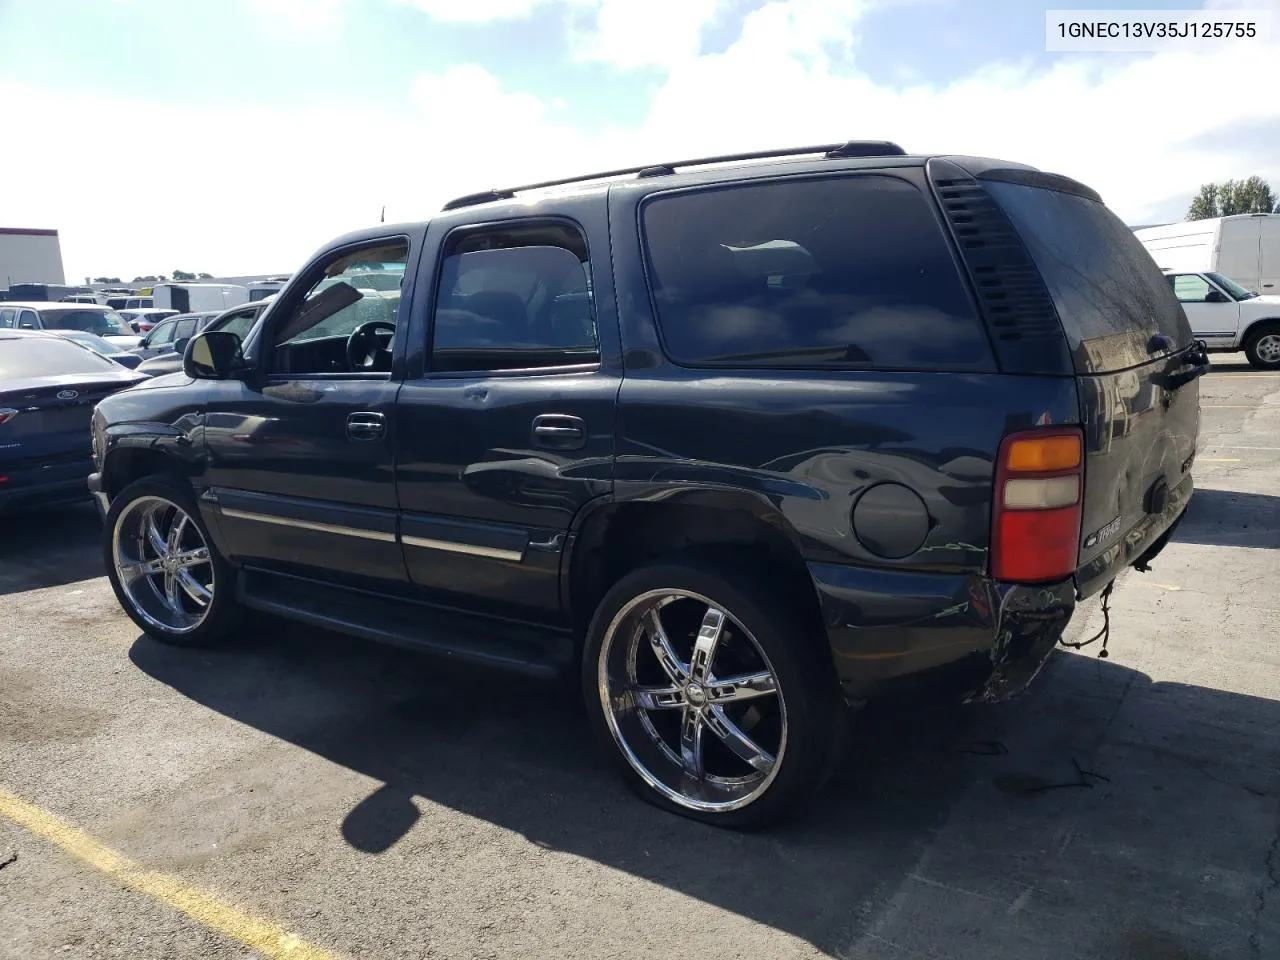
[
  {"x": 847, "y": 271},
  {"x": 1109, "y": 293}
]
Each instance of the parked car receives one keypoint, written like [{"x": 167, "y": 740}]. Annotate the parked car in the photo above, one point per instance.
[
  {"x": 740, "y": 443},
  {"x": 144, "y": 320},
  {"x": 105, "y": 348},
  {"x": 48, "y": 387},
  {"x": 160, "y": 340},
  {"x": 139, "y": 303},
  {"x": 239, "y": 321},
  {"x": 199, "y": 297},
  {"x": 1230, "y": 318},
  {"x": 1245, "y": 247},
  {"x": 85, "y": 317}
]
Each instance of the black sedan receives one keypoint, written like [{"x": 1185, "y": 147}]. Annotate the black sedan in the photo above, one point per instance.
[{"x": 48, "y": 389}]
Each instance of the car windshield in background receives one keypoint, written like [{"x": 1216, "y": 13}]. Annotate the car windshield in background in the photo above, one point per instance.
[
  {"x": 38, "y": 356},
  {"x": 94, "y": 342},
  {"x": 104, "y": 323},
  {"x": 1233, "y": 288},
  {"x": 240, "y": 325}
]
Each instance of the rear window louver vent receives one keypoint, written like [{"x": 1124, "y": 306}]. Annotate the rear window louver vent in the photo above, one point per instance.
[{"x": 1018, "y": 310}]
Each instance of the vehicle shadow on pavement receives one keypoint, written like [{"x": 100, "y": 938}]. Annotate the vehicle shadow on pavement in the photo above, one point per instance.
[
  {"x": 1060, "y": 807},
  {"x": 1230, "y": 518},
  {"x": 49, "y": 547}
]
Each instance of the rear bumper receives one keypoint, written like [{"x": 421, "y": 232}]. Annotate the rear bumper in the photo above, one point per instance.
[{"x": 961, "y": 635}]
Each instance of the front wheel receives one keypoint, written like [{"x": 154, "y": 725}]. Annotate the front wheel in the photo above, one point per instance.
[
  {"x": 709, "y": 693},
  {"x": 1263, "y": 347},
  {"x": 163, "y": 567}
]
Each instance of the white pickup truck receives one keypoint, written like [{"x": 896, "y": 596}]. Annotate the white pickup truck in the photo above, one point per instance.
[{"x": 1227, "y": 317}]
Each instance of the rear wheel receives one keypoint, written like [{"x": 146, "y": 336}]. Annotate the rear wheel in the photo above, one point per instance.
[
  {"x": 1263, "y": 347},
  {"x": 163, "y": 566},
  {"x": 710, "y": 695}
]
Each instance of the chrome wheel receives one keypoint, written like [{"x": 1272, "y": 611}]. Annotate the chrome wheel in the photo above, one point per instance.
[
  {"x": 1268, "y": 348},
  {"x": 163, "y": 565},
  {"x": 692, "y": 701}
]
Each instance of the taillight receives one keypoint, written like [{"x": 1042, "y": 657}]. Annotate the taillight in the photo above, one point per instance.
[
  {"x": 1035, "y": 528},
  {"x": 7, "y": 414}
]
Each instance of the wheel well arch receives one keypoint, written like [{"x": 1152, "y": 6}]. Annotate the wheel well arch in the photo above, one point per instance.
[
  {"x": 1256, "y": 326},
  {"x": 125, "y": 464},
  {"x": 615, "y": 537}
]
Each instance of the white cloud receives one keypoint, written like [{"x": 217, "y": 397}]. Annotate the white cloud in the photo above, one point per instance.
[
  {"x": 630, "y": 34},
  {"x": 1124, "y": 125}
]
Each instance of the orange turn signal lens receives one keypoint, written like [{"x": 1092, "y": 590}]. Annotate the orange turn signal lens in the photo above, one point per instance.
[{"x": 1044, "y": 454}]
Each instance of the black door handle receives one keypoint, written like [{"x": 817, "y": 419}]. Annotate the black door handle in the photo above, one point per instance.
[
  {"x": 558, "y": 431},
  {"x": 366, "y": 426}
]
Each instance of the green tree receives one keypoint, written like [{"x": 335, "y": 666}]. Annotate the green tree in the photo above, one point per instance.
[
  {"x": 1233, "y": 197},
  {"x": 183, "y": 275},
  {"x": 205, "y": 276}
]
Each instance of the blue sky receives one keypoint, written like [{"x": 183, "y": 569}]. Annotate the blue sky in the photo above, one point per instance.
[{"x": 357, "y": 103}]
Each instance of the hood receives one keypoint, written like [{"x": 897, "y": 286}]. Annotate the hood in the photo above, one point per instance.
[
  {"x": 1266, "y": 299},
  {"x": 127, "y": 342},
  {"x": 178, "y": 379}
]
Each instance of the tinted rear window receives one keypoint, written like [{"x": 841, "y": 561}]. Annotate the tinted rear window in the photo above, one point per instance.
[
  {"x": 1109, "y": 293},
  {"x": 848, "y": 271},
  {"x": 48, "y": 357}
]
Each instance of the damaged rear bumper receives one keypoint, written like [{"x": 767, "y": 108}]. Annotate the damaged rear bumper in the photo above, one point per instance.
[{"x": 957, "y": 635}]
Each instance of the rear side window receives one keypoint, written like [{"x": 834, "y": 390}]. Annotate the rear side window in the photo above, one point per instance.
[
  {"x": 8, "y": 319},
  {"x": 848, "y": 271},
  {"x": 1110, "y": 295},
  {"x": 46, "y": 356},
  {"x": 522, "y": 306}
]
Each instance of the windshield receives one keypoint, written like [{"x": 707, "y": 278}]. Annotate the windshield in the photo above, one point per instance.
[
  {"x": 47, "y": 357},
  {"x": 1233, "y": 288},
  {"x": 94, "y": 342},
  {"x": 239, "y": 323},
  {"x": 105, "y": 323}
]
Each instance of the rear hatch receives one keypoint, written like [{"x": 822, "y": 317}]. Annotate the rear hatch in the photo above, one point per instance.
[{"x": 1136, "y": 364}]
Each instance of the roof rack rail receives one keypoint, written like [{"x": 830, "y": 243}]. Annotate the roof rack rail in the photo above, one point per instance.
[{"x": 831, "y": 151}]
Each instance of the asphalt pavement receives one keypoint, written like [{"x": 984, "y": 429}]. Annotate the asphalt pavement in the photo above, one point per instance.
[{"x": 299, "y": 794}]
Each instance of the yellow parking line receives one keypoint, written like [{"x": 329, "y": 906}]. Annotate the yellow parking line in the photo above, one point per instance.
[
  {"x": 266, "y": 938},
  {"x": 1228, "y": 406},
  {"x": 1219, "y": 460}
]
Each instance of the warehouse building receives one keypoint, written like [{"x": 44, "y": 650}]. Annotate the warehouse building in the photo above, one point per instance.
[{"x": 30, "y": 256}]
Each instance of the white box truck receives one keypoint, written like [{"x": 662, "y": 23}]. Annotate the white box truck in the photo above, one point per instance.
[
  {"x": 1245, "y": 248},
  {"x": 198, "y": 297}
]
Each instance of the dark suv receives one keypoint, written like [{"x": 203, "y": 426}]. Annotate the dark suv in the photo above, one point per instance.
[{"x": 741, "y": 442}]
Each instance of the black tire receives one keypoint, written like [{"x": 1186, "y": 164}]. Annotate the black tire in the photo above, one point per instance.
[
  {"x": 792, "y": 648},
  {"x": 1262, "y": 347},
  {"x": 218, "y": 619}
]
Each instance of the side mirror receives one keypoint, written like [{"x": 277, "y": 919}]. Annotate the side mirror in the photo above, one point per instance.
[
  {"x": 214, "y": 355},
  {"x": 1216, "y": 296},
  {"x": 180, "y": 345}
]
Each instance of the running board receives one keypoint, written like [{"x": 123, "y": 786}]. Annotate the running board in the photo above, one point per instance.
[{"x": 405, "y": 623}]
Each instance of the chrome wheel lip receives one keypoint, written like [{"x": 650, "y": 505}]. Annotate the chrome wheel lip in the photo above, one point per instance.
[
  {"x": 131, "y": 585},
  {"x": 1268, "y": 348},
  {"x": 664, "y": 596}
]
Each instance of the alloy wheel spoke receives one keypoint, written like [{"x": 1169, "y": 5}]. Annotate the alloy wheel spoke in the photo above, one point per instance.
[
  {"x": 141, "y": 568},
  {"x": 173, "y": 545},
  {"x": 662, "y": 649},
  {"x": 704, "y": 649},
  {"x": 659, "y": 698},
  {"x": 745, "y": 686},
  {"x": 191, "y": 558},
  {"x": 172, "y": 596},
  {"x": 155, "y": 537},
  {"x": 733, "y": 737},
  {"x": 194, "y": 589},
  {"x": 691, "y": 727}
]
